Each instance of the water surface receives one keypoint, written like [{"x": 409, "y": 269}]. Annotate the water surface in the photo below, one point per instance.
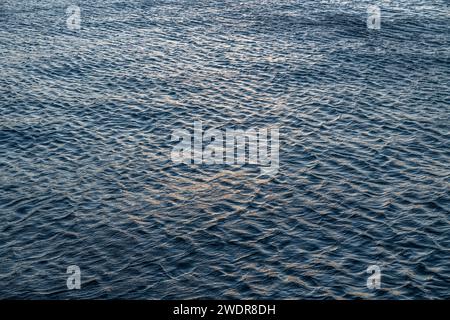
[{"x": 86, "y": 176}]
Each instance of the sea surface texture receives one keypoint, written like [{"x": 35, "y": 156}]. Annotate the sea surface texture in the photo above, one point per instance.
[{"x": 86, "y": 176}]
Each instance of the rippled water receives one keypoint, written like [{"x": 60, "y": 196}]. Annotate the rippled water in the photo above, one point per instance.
[{"x": 86, "y": 176}]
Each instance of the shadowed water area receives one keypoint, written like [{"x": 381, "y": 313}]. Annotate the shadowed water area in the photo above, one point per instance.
[{"x": 86, "y": 177}]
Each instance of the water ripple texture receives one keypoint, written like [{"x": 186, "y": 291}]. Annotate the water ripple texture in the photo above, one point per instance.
[{"x": 86, "y": 177}]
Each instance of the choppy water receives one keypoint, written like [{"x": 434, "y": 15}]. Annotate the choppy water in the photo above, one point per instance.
[{"x": 86, "y": 176}]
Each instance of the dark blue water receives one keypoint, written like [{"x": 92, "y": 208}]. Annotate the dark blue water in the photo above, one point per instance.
[{"x": 86, "y": 177}]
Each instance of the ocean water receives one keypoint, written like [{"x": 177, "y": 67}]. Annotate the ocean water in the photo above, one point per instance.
[{"x": 86, "y": 177}]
